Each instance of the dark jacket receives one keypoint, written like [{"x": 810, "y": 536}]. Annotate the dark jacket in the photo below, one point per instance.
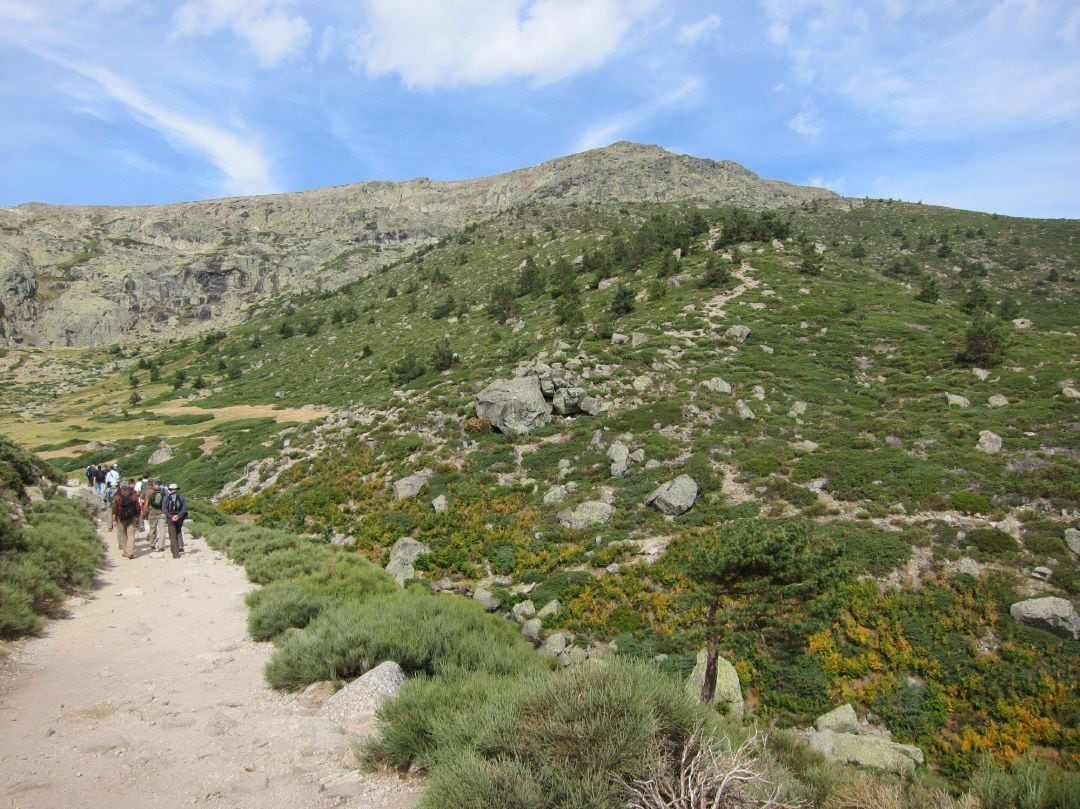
[{"x": 174, "y": 504}]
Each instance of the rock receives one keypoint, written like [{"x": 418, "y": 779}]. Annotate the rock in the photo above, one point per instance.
[
  {"x": 717, "y": 385},
  {"x": 866, "y": 751},
  {"x": 1072, "y": 539},
  {"x": 737, "y": 333},
  {"x": 549, "y": 609},
  {"x": 162, "y": 454},
  {"x": 642, "y": 383},
  {"x": 839, "y": 720},
  {"x": 619, "y": 454},
  {"x": 605, "y": 283},
  {"x": 410, "y": 486},
  {"x": 618, "y": 339},
  {"x": 797, "y": 409},
  {"x": 514, "y": 406},
  {"x": 523, "y": 611},
  {"x": 533, "y": 630},
  {"x": 997, "y": 400},
  {"x": 576, "y": 655},
  {"x": 1042, "y": 573},
  {"x": 486, "y": 599},
  {"x": 969, "y": 567},
  {"x": 638, "y": 338},
  {"x": 316, "y": 694},
  {"x": 402, "y": 555},
  {"x": 727, "y": 691},
  {"x": 742, "y": 409},
  {"x": 439, "y": 504},
  {"x": 894, "y": 442},
  {"x": 805, "y": 446},
  {"x": 354, "y": 706},
  {"x": 957, "y": 401},
  {"x": 1070, "y": 392},
  {"x": 675, "y": 497},
  {"x": 556, "y": 494},
  {"x": 555, "y": 644},
  {"x": 130, "y": 592},
  {"x": 981, "y": 374},
  {"x": 568, "y": 401},
  {"x": 1053, "y": 614},
  {"x": 592, "y": 405},
  {"x": 34, "y": 494},
  {"x": 989, "y": 442},
  {"x": 1023, "y": 324},
  {"x": 637, "y": 456},
  {"x": 588, "y": 514}
]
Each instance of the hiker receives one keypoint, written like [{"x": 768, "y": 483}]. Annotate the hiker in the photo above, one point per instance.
[
  {"x": 175, "y": 507},
  {"x": 140, "y": 484},
  {"x": 112, "y": 481},
  {"x": 153, "y": 514},
  {"x": 99, "y": 478},
  {"x": 90, "y": 475},
  {"x": 125, "y": 511}
]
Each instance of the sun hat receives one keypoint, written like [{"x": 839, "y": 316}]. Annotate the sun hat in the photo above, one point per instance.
[{"x": 173, "y": 487}]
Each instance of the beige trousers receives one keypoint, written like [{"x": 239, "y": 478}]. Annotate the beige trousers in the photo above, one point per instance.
[
  {"x": 156, "y": 534},
  {"x": 126, "y": 534}
]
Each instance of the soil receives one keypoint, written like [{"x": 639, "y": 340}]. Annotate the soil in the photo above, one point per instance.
[{"x": 150, "y": 694}]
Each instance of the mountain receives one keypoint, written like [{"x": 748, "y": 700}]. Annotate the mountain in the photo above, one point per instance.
[{"x": 95, "y": 275}]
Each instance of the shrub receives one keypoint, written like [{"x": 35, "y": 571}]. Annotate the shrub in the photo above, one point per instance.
[
  {"x": 992, "y": 542},
  {"x": 969, "y": 502}
]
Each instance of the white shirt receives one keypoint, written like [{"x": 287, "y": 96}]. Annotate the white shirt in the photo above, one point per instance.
[{"x": 112, "y": 477}]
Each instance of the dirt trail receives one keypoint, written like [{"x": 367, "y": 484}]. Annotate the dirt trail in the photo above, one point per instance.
[{"x": 151, "y": 695}]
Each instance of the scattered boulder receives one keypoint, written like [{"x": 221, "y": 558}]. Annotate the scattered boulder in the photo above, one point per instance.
[
  {"x": 742, "y": 409},
  {"x": 555, "y": 644},
  {"x": 556, "y": 494},
  {"x": 619, "y": 454},
  {"x": 1055, "y": 615},
  {"x": 1072, "y": 539},
  {"x": 549, "y": 609},
  {"x": 486, "y": 599},
  {"x": 839, "y": 720},
  {"x": 439, "y": 504},
  {"x": 642, "y": 383},
  {"x": 737, "y": 333},
  {"x": 981, "y": 374},
  {"x": 727, "y": 691},
  {"x": 957, "y": 401},
  {"x": 619, "y": 339},
  {"x": 989, "y": 442},
  {"x": 160, "y": 455},
  {"x": 568, "y": 401},
  {"x": 316, "y": 694},
  {"x": 514, "y": 406},
  {"x": 805, "y": 446},
  {"x": 533, "y": 630},
  {"x": 717, "y": 385},
  {"x": 523, "y": 611},
  {"x": 588, "y": 514},
  {"x": 402, "y": 555},
  {"x": 410, "y": 486},
  {"x": 675, "y": 497},
  {"x": 354, "y": 706},
  {"x": 997, "y": 400},
  {"x": 866, "y": 751},
  {"x": 1042, "y": 573},
  {"x": 1070, "y": 392},
  {"x": 797, "y": 409},
  {"x": 638, "y": 338},
  {"x": 33, "y": 494},
  {"x": 1023, "y": 324}
]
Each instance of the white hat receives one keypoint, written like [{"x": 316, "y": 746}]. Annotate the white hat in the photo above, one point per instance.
[{"x": 173, "y": 487}]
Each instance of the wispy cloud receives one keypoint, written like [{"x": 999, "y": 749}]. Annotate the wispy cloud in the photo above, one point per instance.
[
  {"x": 436, "y": 43},
  {"x": 239, "y": 158},
  {"x": 806, "y": 122},
  {"x": 614, "y": 128},
  {"x": 267, "y": 26},
  {"x": 692, "y": 33}
]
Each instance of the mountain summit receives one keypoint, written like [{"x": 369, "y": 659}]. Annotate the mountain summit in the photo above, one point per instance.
[{"x": 92, "y": 275}]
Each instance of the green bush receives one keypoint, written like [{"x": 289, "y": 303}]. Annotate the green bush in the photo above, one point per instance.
[
  {"x": 1027, "y": 783},
  {"x": 992, "y": 542},
  {"x": 420, "y": 631},
  {"x": 969, "y": 502}
]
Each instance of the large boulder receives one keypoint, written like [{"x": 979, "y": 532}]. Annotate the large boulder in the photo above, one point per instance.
[
  {"x": 727, "y": 691},
  {"x": 876, "y": 752},
  {"x": 160, "y": 455},
  {"x": 570, "y": 401},
  {"x": 514, "y": 406},
  {"x": 839, "y": 720},
  {"x": 588, "y": 514},
  {"x": 410, "y": 486},
  {"x": 1053, "y": 614},
  {"x": 402, "y": 556},
  {"x": 354, "y": 706},
  {"x": 989, "y": 442},
  {"x": 674, "y": 497}
]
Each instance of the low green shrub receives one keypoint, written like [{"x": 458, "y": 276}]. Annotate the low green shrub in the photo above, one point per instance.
[
  {"x": 992, "y": 543},
  {"x": 1027, "y": 783},
  {"x": 186, "y": 418},
  {"x": 967, "y": 502}
]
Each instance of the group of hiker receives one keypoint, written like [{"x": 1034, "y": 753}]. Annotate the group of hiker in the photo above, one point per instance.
[{"x": 160, "y": 509}]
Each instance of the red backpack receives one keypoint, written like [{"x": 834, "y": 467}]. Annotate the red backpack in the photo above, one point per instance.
[{"x": 128, "y": 509}]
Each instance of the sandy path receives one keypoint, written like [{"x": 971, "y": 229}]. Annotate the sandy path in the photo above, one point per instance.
[{"x": 151, "y": 695}]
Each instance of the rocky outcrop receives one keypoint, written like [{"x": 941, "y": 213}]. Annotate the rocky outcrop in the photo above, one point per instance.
[
  {"x": 83, "y": 275},
  {"x": 1053, "y": 614},
  {"x": 587, "y": 515},
  {"x": 727, "y": 691},
  {"x": 402, "y": 556},
  {"x": 674, "y": 497},
  {"x": 840, "y": 736},
  {"x": 410, "y": 486},
  {"x": 514, "y": 406},
  {"x": 355, "y": 706}
]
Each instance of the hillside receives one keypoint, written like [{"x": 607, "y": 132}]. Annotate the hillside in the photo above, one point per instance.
[
  {"x": 83, "y": 276},
  {"x": 888, "y": 390}
]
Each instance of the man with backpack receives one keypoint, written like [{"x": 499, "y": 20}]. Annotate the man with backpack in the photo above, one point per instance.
[
  {"x": 153, "y": 498},
  {"x": 125, "y": 511},
  {"x": 175, "y": 507}
]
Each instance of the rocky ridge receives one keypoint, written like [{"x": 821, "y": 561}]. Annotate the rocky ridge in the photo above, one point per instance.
[{"x": 95, "y": 275}]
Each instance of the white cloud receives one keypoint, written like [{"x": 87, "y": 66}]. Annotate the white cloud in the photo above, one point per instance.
[
  {"x": 434, "y": 43},
  {"x": 612, "y": 129},
  {"x": 240, "y": 159},
  {"x": 837, "y": 184},
  {"x": 806, "y": 122},
  {"x": 265, "y": 25},
  {"x": 938, "y": 70},
  {"x": 692, "y": 33}
]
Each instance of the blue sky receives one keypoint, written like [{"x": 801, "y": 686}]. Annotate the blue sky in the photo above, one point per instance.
[{"x": 957, "y": 102}]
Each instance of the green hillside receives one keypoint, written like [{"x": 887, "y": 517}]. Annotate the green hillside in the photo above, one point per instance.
[{"x": 885, "y": 341}]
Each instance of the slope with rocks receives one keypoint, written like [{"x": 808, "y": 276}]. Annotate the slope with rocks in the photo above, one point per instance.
[{"x": 79, "y": 276}]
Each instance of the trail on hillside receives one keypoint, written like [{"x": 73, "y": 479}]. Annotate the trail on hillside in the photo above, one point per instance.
[{"x": 151, "y": 695}]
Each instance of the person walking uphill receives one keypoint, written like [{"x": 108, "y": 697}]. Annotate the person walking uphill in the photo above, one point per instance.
[
  {"x": 153, "y": 500},
  {"x": 175, "y": 508},
  {"x": 126, "y": 512}
]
